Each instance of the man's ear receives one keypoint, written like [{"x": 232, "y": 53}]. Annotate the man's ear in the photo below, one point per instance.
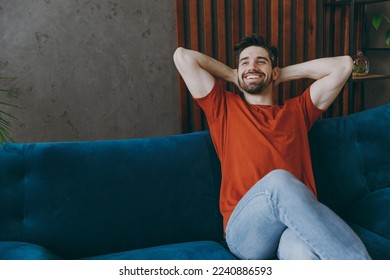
[{"x": 275, "y": 72}]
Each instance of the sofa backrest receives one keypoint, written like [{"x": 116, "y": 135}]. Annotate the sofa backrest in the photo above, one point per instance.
[
  {"x": 351, "y": 156},
  {"x": 87, "y": 198}
]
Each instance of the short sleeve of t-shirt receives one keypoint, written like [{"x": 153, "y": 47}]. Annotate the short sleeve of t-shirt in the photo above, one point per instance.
[
  {"x": 213, "y": 104},
  {"x": 311, "y": 112}
]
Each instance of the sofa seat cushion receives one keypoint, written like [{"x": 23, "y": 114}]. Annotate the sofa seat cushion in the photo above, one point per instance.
[
  {"x": 372, "y": 212},
  {"x": 13, "y": 250},
  {"x": 369, "y": 217},
  {"x": 199, "y": 250},
  {"x": 377, "y": 246}
]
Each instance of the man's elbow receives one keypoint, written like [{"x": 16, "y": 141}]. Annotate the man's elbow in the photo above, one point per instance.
[
  {"x": 178, "y": 54},
  {"x": 182, "y": 57},
  {"x": 347, "y": 63},
  {"x": 181, "y": 54}
]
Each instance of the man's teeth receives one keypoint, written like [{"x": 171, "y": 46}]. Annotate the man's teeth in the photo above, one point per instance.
[{"x": 249, "y": 77}]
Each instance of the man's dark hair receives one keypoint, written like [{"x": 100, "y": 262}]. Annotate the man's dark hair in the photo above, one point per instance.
[{"x": 259, "y": 41}]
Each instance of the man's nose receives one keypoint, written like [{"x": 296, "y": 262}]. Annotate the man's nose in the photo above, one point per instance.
[{"x": 251, "y": 65}]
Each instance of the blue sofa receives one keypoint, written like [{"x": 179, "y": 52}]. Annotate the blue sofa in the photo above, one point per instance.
[{"x": 157, "y": 198}]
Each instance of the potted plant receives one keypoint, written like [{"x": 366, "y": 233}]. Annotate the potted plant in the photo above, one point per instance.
[
  {"x": 5, "y": 125},
  {"x": 377, "y": 21}
]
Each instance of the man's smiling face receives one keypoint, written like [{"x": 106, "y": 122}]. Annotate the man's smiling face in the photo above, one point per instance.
[{"x": 255, "y": 71}]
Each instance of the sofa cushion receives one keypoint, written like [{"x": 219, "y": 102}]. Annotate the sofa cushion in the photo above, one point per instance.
[
  {"x": 369, "y": 218},
  {"x": 377, "y": 246},
  {"x": 351, "y": 157},
  {"x": 12, "y": 250},
  {"x": 12, "y": 196},
  {"x": 91, "y": 198},
  {"x": 200, "y": 250},
  {"x": 372, "y": 212}
]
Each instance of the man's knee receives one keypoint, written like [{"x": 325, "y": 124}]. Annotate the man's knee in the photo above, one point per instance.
[
  {"x": 279, "y": 176},
  {"x": 284, "y": 185},
  {"x": 282, "y": 180}
]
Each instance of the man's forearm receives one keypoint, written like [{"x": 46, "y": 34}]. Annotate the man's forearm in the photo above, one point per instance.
[
  {"x": 330, "y": 74},
  {"x": 315, "y": 69},
  {"x": 216, "y": 68}
]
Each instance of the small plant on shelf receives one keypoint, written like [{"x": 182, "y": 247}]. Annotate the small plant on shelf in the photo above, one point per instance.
[{"x": 361, "y": 65}]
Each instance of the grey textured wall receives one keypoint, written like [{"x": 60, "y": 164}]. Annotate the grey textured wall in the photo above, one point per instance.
[{"x": 90, "y": 69}]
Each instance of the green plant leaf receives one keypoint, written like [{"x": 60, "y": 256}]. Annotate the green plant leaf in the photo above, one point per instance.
[
  {"x": 7, "y": 78},
  {"x": 377, "y": 20},
  {"x": 5, "y": 124},
  {"x": 388, "y": 37},
  {"x": 8, "y": 104},
  {"x": 12, "y": 90},
  {"x": 7, "y": 114},
  {"x": 5, "y": 135}
]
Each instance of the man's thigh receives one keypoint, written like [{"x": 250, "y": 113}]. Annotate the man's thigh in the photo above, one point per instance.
[{"x": 252, "y": 231}]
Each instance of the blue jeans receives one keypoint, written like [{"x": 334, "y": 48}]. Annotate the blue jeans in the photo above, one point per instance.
[{"x": 280, "y": 217}]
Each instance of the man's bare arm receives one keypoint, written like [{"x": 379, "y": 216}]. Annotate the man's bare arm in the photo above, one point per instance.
[
  {"x": 330, "y": 74},
  {"x": 199, "y": 71}
]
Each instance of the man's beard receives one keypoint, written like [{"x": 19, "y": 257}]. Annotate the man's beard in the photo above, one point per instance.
[{"x": 255, "y": 88}]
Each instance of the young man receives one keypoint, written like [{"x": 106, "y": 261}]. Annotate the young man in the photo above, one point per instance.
[{"x": 268, "y": 195}]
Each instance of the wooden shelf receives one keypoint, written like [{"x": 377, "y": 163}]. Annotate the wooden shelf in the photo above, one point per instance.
[
  {"x": 376, "y": 49},
  {"x": 358, "y": 78},
  {"x": 348, "y": 2}
]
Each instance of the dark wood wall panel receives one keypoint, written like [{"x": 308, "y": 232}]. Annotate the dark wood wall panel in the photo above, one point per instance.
[
  {"x": 294, "y": 26},
  {"x": 338, "y": 40}
]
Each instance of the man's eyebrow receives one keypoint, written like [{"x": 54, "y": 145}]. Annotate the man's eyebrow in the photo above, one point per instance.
[
  {"x": 263, "y": 57},
  {"x": 259, "y": 57},
  {"x": 244, "y": 58}
]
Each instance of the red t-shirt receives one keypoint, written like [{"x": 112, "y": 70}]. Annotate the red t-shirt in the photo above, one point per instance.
[{"x": 252, "y": 140}]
